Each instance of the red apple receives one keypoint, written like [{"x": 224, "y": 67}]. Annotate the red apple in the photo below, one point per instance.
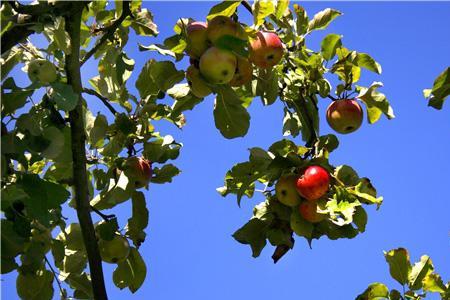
[
  {"x": 344, "y": 115},
  {"x": 221, "y": 26},
  {"x": 138, "y": 169},
  {"x": 196, "y": 39},
  {"x": 313, "y": 184},
  {"x": 244, "y": 72},
  {"x": 218, "y": 65},
  {"x": 266, "y": 50},
  {"x": 308, "y": 210}
]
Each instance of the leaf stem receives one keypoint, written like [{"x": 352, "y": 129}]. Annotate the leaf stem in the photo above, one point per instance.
[
  {"x": 54, "y": 275},
  {"x": 103, "y": 99}
]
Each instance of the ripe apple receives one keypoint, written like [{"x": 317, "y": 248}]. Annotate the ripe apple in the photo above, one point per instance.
[
  {"x": 217, "y": 65},
  {"x": 138, "y": 169},
  {"x": 243, "y": 73},
  {"x": 115, "y": 250},
  {"x": 221, "y": 26},
  {"x": 196, "y": 39},
  {"x": 42, "y": 70},
  {"x": 308, "y": 210},
  {"x": 198, "y": 86},
  {"x": 344, "y": 115},
  {"x": 266, "y": 50},
  {"x": 313, "y": 184},
  {"x": 286, "y": 190}
]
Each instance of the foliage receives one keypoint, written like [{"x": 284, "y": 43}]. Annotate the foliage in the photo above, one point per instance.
[
  {"x": 419, "y": 279},
  {"x": 440, "y": 91}
]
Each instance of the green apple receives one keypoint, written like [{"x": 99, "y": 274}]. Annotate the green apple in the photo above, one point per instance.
[
  {"x": 197, "y": 42},
  {"x": 198, "y": 85},
  {"x": 286, "y": 191},
  {"x": 345, "y": 115},
  {"x": 41, "y": 70},
  {"x": 221, "y": 26},
  {"x": 114, "y": 251},
  {"x": 217, "y": 65},
  {"x": 43, "y": 238},
  {"x": 243, "y": 73},
  {"x": 266, "y": 50}
]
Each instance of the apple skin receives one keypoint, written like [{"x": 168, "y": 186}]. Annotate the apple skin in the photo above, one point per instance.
[
  {"x": 139, "y": 169},
  {"x": 345, "y": 115},
  {"x": 308, "y": 210},
  {"x": 266, "y": 50},
  {"x": 220, "y": 26},
  {"x": 114, "y": 251},
  {"x": 218, "y": 66},
  {"x": 43, "y": 71},
  {"x": 286, "y": 191},
  {"x": 243, "y": 73},
  {"x": 313, "y": 184},
  {"x": 198, "y": 86},
  {"x": 197, "y": 42}
]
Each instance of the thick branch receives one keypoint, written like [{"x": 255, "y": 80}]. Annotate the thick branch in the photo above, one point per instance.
[
  {"x": 103, "y": 99},
  {"x": 80, "y": 179},
  {"x": 109, "y": 31}
]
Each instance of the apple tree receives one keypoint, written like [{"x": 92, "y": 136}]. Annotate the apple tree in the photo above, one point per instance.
[{"x": 416, "y": 280}]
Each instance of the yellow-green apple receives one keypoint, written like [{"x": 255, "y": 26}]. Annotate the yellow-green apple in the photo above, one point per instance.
[
  {"x": 313, "y": 184},
  {"x": 221, "y": 26},
  {"x": 115, "y": 250},
  {"x": 308, "y": 210},
  {"x": 243, "y": 73},
  {"x": 198, "y": 86},
  {"x": 344, "y": 115},
  {"x": 218, "y": 65},
  {"x": 286, "y": 190},
  {"x": 266, "y": 50},
  {"x": 139, "y": 170},
  {"x": 41, "y": 70},
  {"x": 197, "y": 42}
]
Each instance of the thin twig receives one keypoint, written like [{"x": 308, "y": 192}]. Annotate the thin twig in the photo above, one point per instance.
[
  {"x": 109, "y": 31},
  {"x": 332, "y": 98},
  {"x": 104, "y": 216},
  {"x": 247, "y": 6},
  {"x": 54, "y": 275},
  {"x": 103, "y": 99}
]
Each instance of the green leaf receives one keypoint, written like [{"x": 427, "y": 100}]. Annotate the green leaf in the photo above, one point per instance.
[
  {"x": 328, "y": 142},
  {"x": 82, "y": 285},
  {"x": 162, "y": 149},
  {"x": 184, "y": 99},
  {"x": 440, "y": 90},
  {"x": 8, "y": 265},
  {"x": 291, "y": 123},
  {"x": 107, "y": 230},
  {"x": 322, "y": 19},
  {"x": 56, "y": 139},
  {"x": 375, "y": 291},
  {"x": 97, "y": 133},
  {"x": 342, "y": 207},
  {"x": 433, "y": 283},
  {"x": 156, "y": 76},
  {"x": 419, "y": 271},
  {"x": 116, "y": 193},
  {"x": 282, "y": 7},
  {"x": 329, "y": 45},
  {"x": 124, "y": 67},
  {"x": 139, "y": 219},
  {"x": 267, "y": 86},
  {"x": 399, "y": 264},
  {"x": 375, "y": 101},
  {"x": 64, "y": 96},
  {"x": 395, "y": 295},
  {"x": 300, "y": 226},
  {"x": 346, "y": 175},
  {"x": 142, "y": 23},
  {"x": 225, "y": 8},
  {"x": 230, "y": 117},
  {"x": 254, "y": 234},
  {"x": 16, "y": 98},
  {"x": 261, "y": 10},
  {"x": 233, "y": 44},
  {"x": 10, "y": 61},
  {"x": 35, "y": 286},
  {"x": 302, "y": 19},
  {"x": 11, "y": 243},
  {"x": 131, "y": 273},
  {"x": 44, "y": 196},
  {"x": 366, "y": 193},
  {"x": 165, "y": 174},
  {"x": 364, "y": 60}
]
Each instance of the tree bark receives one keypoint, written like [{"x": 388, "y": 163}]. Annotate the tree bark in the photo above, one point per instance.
[{"x": 80, "y": 178}]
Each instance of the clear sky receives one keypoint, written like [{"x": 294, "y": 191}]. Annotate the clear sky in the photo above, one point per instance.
[{"x": 189, "y": 251}]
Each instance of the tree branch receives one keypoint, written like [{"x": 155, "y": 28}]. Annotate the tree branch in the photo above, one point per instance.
[
  {"x": 109, "y": 31},
  {"x": 80, "y": 179},
  {"x": 103, "y": 99}
]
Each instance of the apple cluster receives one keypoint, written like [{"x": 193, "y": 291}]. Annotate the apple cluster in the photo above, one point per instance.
[
  {"x": 213, "y": 64},
  {"x": 305, "y": 192}
]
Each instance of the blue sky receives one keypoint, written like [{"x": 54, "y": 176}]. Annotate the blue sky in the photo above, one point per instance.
[{"x": 189, "y": 251}]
